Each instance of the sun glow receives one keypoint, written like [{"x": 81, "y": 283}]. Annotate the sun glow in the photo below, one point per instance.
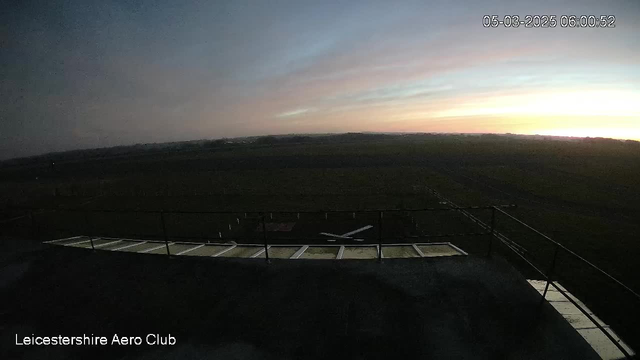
[
  {"x": 576, "y": 103},
  {"x": 614, "y": 133},
  {"x": 602, "y": 113}
]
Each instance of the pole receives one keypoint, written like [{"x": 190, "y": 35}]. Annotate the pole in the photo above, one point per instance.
[
  {"x": 493, "y": 230},
  {"x": 550, "y": 272},
  {"x": 264, "y": 236},
  {"x": 379, "y": 236},
  {"x": 164, "y": 233},
  {"x": 89, "y": 230}
]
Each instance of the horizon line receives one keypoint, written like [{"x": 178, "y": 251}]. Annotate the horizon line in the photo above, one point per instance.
[{"x": 554, "y": 136}]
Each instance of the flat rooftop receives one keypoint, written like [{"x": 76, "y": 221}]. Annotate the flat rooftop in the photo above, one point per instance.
[{"x": 462, "y": 307}]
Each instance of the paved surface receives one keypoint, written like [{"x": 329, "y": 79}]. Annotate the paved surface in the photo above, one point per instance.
[
  {"x": 585, "y": 327},
  {"x": 459, "y": 307}
]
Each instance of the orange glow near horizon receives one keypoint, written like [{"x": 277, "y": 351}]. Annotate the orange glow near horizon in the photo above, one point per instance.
[
  {"x": 583, "y": 113},
  {"x": 613, "y": 133}
]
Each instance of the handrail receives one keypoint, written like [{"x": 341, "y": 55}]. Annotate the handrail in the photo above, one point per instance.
[
  {"x": 488, "y": 207},
  {"x": 548, "y": 275},
  {"x": 591, "y": 318},
  {"x": 549, "y": 280},
  {"x": 628, "y": 289}
]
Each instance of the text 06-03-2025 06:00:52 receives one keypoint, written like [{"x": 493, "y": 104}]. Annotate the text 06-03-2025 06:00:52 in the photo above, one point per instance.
[{"x": 549, "y": 21}]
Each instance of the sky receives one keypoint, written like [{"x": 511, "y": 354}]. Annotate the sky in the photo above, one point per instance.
[{"x": 97, "y": 73}]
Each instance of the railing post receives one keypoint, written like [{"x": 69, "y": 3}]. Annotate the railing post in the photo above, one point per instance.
[
  {"x": 164, "y": 232},
  {"x": 89, "y": 230},
  {"x": 492, "y": 230},
  {"x": 550, "y": 272},
  {"x": 379, "y": 236},
  {"x": 264, "y": 237}
]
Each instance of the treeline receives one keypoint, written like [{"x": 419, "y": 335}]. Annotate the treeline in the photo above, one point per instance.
[
  {"x": 278, "y": 140},
  {"x": 321, "y": 139},
  {"x": 147, "y": 149}
]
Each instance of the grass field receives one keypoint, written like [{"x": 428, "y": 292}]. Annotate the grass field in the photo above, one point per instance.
[{"x": 583, "y": 194}]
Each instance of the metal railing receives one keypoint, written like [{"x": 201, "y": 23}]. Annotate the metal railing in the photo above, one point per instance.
[
  {"x": 551, "y": 273},
  {"x": 376, "y": 216},
  {"x": 488, "y": 228},
  {"x": 522, "y": 253}
]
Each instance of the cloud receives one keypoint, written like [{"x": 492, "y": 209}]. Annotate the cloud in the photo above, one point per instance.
[{"x": 296, "y": 112}]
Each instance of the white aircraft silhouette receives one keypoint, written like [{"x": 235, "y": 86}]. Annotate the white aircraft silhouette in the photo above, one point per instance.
[{"x": 347, "y": 235}]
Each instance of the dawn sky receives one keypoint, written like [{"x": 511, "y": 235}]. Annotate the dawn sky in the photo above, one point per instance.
[{"x": 95, "y": 73}]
